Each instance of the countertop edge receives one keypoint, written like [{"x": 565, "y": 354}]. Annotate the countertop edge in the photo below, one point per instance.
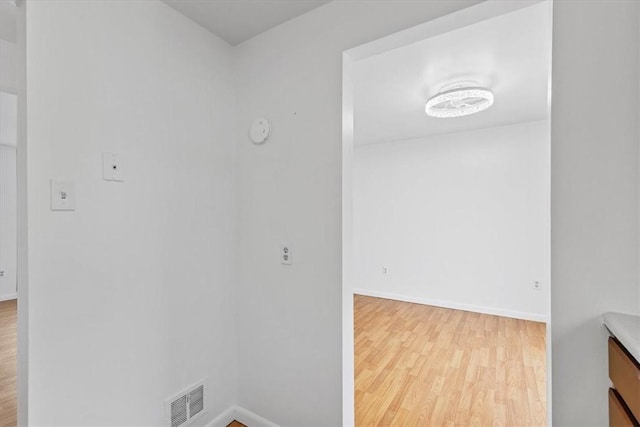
[{"x": 626, "y": 329}]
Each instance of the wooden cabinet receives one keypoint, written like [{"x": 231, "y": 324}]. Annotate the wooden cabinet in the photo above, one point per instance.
[
  {"x": 624, "y": 398},
  {"x": 619, "y": 415}
]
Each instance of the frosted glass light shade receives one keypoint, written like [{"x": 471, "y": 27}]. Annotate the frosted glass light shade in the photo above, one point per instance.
[{"x": 459, "y": 102}]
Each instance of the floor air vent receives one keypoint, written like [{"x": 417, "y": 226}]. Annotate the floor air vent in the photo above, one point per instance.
[
  {"x": 179, "y": 414},
  {"x": 196, "y": 401},
  {"x": 186, "y": 406}
]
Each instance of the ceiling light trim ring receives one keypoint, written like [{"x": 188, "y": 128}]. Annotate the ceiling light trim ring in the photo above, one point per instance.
[{"x": 453, "y": 102}]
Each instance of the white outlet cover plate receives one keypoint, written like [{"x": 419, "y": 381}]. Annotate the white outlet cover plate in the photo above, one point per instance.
[
  {"x": 63, "y": 196},
  {"x": 285, "y": 254}
]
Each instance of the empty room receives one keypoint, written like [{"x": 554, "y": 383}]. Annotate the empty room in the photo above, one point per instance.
[
  {"x": 259, "y": 213},
  {"x": 451, "y": 225}
]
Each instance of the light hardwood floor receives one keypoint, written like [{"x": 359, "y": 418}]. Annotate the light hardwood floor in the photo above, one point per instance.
[
  {"x": 415, "y": 365},
  {"x": 8, "y": 310},
  {"x": 418, "y": 365}
]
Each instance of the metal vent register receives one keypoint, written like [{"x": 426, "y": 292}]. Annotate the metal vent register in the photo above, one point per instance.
[
  {"x": 186, "y": 406},
  {"x": 179, "y": 414},
  {"x": 196, "y": 401}
]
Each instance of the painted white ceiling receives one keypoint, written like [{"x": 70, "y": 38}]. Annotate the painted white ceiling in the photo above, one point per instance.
[
  {"x": 233, "y": 20},
  {"x": 8, "y": 21},
  {"x": 238, "y": 20},
  {"x": 510, "y": 54}
]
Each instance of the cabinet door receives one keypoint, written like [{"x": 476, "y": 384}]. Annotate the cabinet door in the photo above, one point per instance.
[
  {"x": 619, "y": 416},
  {"x": 624, "y": 373}
]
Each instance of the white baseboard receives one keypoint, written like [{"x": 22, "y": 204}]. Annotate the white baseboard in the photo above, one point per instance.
[
  {"x": 250, "y": 419},
  {"x": 222, "y": 420},
  {"x": 242, "y": 415},
  {"x": 536, "y": 317},
  {"x": 7, "y": 297}
]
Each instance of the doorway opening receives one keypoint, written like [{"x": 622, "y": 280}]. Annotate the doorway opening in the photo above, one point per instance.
[
  {"x": 446, "y": 222},
  {"x": 8, "y": 252},
  {"x": 13, "y": 237}
]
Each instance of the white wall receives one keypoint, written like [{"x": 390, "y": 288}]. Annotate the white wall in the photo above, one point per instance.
[
  {"x": 8, "y": 67},
  {"x": 459, "y": 220},
  {"x": 594, "y": 197},
  {"x": 157, "y": 91},
  {"x": 289, "y": 331},
  {"x": 8, "y": 119},
  {"x": 8, "y": 212},
  {"x": 289, "y": 189},
  {"x": 130, "y": 296}
]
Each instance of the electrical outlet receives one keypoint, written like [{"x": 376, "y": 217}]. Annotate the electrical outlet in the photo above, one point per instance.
[
  {"x": 385, "y": 270},
  {"x": 536, "y": 285},
  {"x": 285, "y": 254}
]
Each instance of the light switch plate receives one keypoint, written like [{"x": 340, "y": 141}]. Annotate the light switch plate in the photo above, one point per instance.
[
  {"x": 112, "y": 167},
  {"x": 63, "y": 196}
]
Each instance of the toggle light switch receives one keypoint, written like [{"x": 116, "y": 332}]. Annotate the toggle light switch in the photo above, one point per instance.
[{"x": 63, "y": 196}]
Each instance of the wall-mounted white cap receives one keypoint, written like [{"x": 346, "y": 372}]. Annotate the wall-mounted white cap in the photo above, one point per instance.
[{"x": 259, "y": 130}]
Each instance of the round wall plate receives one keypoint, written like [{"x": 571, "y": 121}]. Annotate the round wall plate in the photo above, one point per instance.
[{"x": 260, "y": 130}]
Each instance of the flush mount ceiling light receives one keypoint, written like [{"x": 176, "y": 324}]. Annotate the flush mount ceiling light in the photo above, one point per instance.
[{"x": 460, "y": 100}]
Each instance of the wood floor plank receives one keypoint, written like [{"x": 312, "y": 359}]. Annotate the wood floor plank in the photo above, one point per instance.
[
  {"x": 419, "y": 365},
  {"x": 8, "y": 352}
]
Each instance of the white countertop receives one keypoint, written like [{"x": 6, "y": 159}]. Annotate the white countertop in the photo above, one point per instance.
[{"x": 626, "y": 328}]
